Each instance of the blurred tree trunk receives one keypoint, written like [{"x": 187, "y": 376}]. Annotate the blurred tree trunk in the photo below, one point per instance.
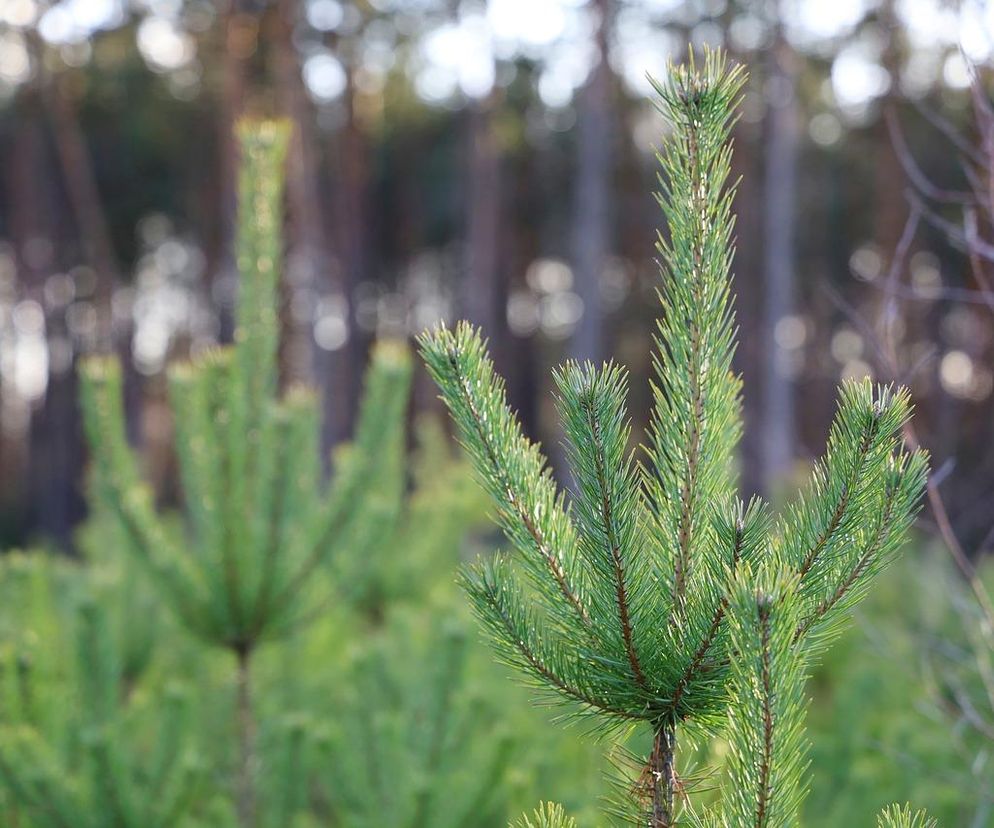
[
  {"x": 890, "y": 206},
  {"x": 747, "y": 163},
  {"x": 239, "y": 35},
  {"x": 352, "y": 221},
  {"x": 84, "y": 196},
  {"x": 26, "y": 188},
  {"x": 776, "y": 416},
  {"x": 593, "y": 207},
  {"x": 54, "y": 456},
  {"x": 306, "y": 256},
  {"x": 482, "y": 296},
  {"x": 80, "y": 180}
]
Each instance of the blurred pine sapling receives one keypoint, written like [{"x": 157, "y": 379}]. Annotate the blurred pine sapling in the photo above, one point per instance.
[
  {"x": 80, "y": 758},
  {"x": 650, "y": 594},
  {"x": 411, "y": 706},
  {"x": 413, "y": 695},
  {"x": 259, "y": 521}
]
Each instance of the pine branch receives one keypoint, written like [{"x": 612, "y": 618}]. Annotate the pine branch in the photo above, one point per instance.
[
  {"x": 523, "y": 643},
  {"x": 766, "y": 709},
  {"x": 529, "y": 509},
  {"x": 696, "y": 415},
  {"x": 846, "y": 492},
  {"x": 746, "y": 536},
  {"x": 903, "y": 486},
  {"x": 381, "y": 420},
  {"x": 607, "y": 505},
  {"x": 119, "y": 481}
]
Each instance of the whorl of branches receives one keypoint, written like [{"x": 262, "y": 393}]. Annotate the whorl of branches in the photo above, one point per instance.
[{"x": 648, "y": 592}]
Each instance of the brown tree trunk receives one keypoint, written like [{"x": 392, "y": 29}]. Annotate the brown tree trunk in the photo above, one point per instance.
[
  {"x": 592, "y": 219},
  {"x": 344, "y": 366},
  {"x": 481, "y": 297},
  {"x": 890, "y": 212},
  {"x": 97, "y": 245},
  {"x": 662, "y": 776},
  {"x": 48, "y": 487}
]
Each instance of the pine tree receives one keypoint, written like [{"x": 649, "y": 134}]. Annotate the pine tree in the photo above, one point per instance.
[
  {"x": 650, "y": 593},
  {"x": 259, "y": 523}
]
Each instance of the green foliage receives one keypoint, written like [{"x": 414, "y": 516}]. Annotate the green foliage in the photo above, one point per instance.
[
  {"x": 408, "y": 537},
  {"x": 416, "y": 677},
  {"x": 116, "y": 577},
  {"x": 897, "y": 816},
  {"x": 258, "y": 521},
  {"x": 414, "y": 744},
  {"x": 650, "y": 594},
  {"x": 766, "y": 703},
  {"x": 90, "y": 755},
  {"x": 379, "y": 709},
  {"x": 855, "y": 514},
  {"x": 893, "y": 738},
  {"x": 547, "y": 815}
]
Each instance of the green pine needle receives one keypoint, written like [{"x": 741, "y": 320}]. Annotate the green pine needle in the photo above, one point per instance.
[
  {"x": 547, "y": 815},
  {"x": 898, "y": 816}
]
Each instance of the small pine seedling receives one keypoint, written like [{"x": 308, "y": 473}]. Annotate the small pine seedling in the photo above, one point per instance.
[
  {"x": 650, "y": 594},
  {"x": 259, "y": 522}
]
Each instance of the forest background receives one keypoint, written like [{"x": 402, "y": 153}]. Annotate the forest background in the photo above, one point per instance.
[
  {"x": 494, "y": 161},
  {"x": 480, "y": 161}
]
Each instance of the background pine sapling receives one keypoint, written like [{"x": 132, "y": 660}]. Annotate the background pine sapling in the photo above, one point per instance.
[
  {"x": 650, "y": 593},
  {"x": 260, "y": 523},
  {"x": 413, "y": 706}
]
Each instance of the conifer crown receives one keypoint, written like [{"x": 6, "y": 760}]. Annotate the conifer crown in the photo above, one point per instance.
[{"x": 649, "y": 591}]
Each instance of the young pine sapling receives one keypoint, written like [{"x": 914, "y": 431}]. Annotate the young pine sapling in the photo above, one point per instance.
[
  {"x": 651, "y": 594},
  {"x": 260, "y": 522}
]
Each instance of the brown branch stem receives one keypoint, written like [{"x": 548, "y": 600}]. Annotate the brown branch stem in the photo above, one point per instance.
[
  {"x": 245, "y": 794},
  {"x": 766, "y": 679},
  {"x": 694, "y": 668},
  {"x": 662, "y": 768}
]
